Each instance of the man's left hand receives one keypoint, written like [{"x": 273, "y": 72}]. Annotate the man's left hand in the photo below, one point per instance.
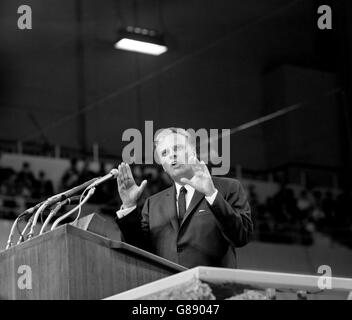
[{"x": 201, "y": 180}]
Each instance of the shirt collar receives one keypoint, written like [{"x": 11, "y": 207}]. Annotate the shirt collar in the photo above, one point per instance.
[{"x": 179, "y": 186}]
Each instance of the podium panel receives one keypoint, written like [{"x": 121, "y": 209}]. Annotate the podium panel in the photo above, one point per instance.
[{"x": 70, "y": 263}]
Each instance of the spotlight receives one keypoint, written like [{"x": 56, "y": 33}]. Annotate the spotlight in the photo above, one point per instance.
[{"x": 141, "y": 40}]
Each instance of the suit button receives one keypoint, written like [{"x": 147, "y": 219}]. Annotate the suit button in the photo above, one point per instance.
[{"x": 179, "y": 249}]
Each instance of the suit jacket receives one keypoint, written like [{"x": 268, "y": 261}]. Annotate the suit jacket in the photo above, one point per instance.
[{"x": 208, "y": 233}]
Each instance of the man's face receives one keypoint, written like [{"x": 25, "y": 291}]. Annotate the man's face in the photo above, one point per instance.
[{"x": 175, "y": 153}]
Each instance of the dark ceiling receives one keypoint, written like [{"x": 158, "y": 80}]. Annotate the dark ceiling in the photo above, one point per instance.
[{"x": 63, "y": 83}]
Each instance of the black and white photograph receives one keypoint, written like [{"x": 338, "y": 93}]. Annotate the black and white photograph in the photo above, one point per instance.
[{"x": 175, "y": 150}]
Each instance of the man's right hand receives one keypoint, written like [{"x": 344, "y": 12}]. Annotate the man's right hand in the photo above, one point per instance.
[{"x": 128, "y": 189}]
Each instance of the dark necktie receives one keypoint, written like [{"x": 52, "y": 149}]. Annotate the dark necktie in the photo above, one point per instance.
[{"x": 181, "y": 204}]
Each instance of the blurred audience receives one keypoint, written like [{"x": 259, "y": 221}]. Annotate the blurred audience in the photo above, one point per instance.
[
  {"x": 70, "y": 177},
  {"x": 286, "y": 219},
  {"x": 282, "y": 218},
  {"x": 25, "y": 181},
  {"x": 43, "y": 187}
]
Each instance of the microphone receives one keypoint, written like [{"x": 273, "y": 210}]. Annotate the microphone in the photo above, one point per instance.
[
  {"x": 57, "y": 198},
  {"x": 91, "y": 184},
  {"x": 112, "y": 174},
  {"x": 78, "y": 207},
  {"x": 69, "y": 193},
  {"x": 53, "y": 212},
  {"x": 29, "y": 211},
  {"x": 91, "y": 188}
]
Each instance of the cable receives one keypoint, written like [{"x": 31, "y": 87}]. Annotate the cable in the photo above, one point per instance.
[
  {"x": 41, "y": 217},
  {"x": 80, "y": 207},
  {"x": 54, "y": 211},
  {"x": 12, "y": 231},
  {"x": 57, "y": 221},
  {"x": 25, "y": 229},
  {"x": 39, "y": 211},
  {"x": 51, "y": 214},
  {"x": 17, "y": 225},
  {"x": 9, "y": 240}
]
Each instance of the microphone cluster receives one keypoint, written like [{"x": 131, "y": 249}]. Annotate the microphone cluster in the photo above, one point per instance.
[{"x": 61, "y": 199}]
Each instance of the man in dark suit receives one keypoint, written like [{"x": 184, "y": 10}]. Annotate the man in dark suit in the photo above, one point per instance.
[{"x": 198, "y": 221}]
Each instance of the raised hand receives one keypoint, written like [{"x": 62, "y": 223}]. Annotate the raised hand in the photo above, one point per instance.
[
  {"x": 201, "y": 180},
  {"x": 128, "y": 189}
]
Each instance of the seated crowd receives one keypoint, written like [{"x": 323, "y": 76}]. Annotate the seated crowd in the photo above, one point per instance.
[
  {"x": 285, "y": 218},
  {"x": 282, "y": 218},
  {"x": 20, "y": 190}
]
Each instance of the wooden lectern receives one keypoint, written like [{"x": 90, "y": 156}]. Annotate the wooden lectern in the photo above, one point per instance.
[{"x": 71, "y": 263}]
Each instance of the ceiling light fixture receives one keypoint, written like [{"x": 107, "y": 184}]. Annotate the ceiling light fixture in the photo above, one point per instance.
[{"x": 141, "y": 40}]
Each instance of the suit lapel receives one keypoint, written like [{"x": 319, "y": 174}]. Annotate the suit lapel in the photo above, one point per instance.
[
  {"x": 169, "y": 206},
  {"x": 197, "y": 197}
]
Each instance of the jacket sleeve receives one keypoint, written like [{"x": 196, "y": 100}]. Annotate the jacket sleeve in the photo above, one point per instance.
[
  {"x": 135, "y": 227},
  {"x": 233, "y": 214}
]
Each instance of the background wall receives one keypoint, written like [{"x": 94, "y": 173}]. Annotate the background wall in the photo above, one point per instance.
[{"x": 63, "y": 83}]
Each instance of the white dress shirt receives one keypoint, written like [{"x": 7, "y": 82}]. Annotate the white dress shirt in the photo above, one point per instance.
[{"x": 189, "y": 194}]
